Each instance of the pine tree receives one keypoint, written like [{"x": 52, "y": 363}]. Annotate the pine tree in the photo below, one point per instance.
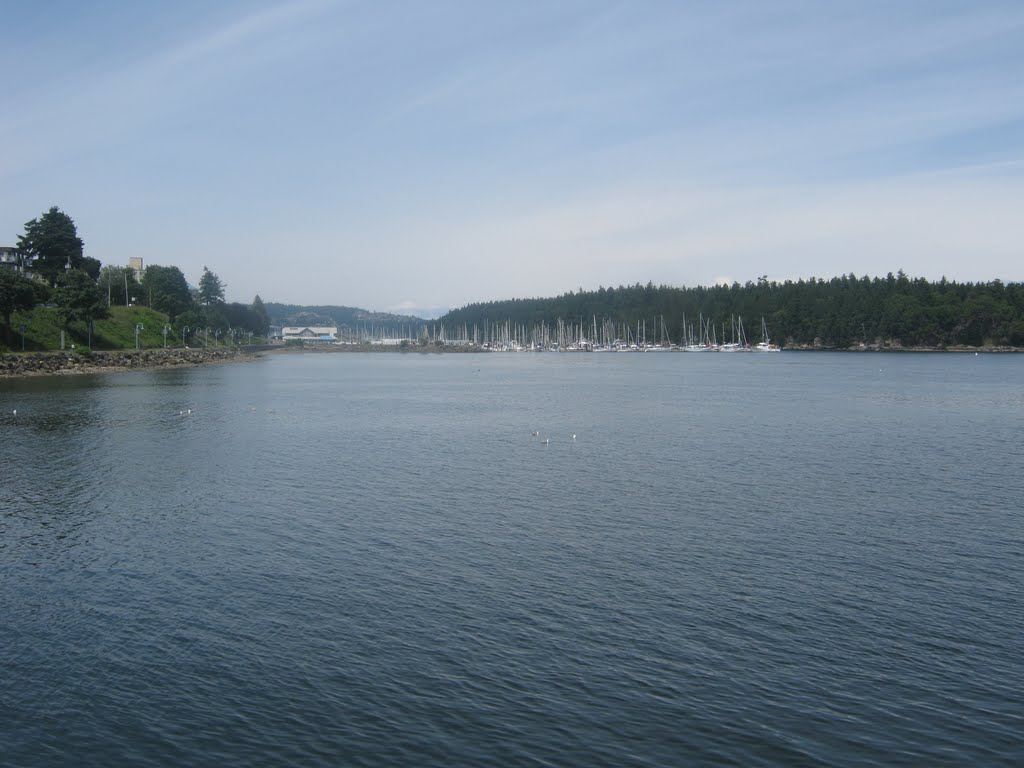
[{"x": 211, "y": 289}]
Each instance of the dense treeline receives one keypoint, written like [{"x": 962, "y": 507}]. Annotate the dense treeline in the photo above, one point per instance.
[{"x": 839, "y": 313}]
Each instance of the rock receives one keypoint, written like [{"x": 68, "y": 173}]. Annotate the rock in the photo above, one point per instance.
[{"x": 56, "y": 363}]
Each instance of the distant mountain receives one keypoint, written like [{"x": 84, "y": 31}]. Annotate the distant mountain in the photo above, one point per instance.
[
  {"x": 432, "y": 313},
  {"x": 345, "y": 318}
]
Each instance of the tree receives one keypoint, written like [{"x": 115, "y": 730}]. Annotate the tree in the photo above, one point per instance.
[
  {"x": 91, "y": 267},
  {"x": 211, "y": 289},
  {"x": 167, "y": 290},
  {"x": 16, "y": 293},
  {"x": 53, "y": 245},
  {"x": 215, "y": 317},
  {"x": 261, "y": 312},
  {"x": 119, "y": 284},
  {"x": 79, "y": 298}
]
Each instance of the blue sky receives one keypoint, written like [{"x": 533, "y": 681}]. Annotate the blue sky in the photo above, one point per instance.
[{"x": 414, "y": 155}]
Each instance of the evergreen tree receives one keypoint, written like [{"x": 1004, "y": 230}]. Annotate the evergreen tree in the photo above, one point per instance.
[
  {"x": 211, "y": 289},
  {"x": 261, "y": 312},
  {"x": 54, "y": 247}
]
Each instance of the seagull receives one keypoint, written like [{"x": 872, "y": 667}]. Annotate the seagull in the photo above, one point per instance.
[
  {"x": 535, "y": 432},
  {"x": 545, "y": 441},
  {"x": 15, "y": 411},
  {"x": 573, "y": 435}
]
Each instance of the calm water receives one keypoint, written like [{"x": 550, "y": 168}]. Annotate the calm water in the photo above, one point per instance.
[{"x": 793, "y": 559}]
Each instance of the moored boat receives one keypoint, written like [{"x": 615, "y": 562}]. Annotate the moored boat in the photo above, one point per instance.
[{"x": 765, "y": 345}]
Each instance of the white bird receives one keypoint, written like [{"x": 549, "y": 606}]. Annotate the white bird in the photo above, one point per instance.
[
  {"x": 535, "y": 433},
  {"x": 573, "y": 436},
  {"x": 15, "y": 411},
  {"x": 545, "y": 441}
]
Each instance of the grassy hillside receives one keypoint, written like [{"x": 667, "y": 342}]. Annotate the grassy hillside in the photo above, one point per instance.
[{"x": 116, "y": 332}]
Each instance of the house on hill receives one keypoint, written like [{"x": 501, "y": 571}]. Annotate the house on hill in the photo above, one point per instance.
[{"x": 12, "y": 258}]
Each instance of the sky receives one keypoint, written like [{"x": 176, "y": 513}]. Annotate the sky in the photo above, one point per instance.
[{"x": 415, "y": 156}]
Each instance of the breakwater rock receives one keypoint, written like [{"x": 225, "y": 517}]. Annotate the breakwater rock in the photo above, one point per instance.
[{"x": 60, "y": 363}]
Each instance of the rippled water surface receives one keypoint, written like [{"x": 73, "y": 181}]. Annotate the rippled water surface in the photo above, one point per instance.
[{"x": 352, "y": 559}]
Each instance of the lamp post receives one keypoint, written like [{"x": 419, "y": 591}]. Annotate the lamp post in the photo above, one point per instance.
[
  {"x": 138, "y": 327},
  {"x": 90, "y": 335},
  {"x": 23, "y": 327},
  {"x": 216, "y": 336},
  {"x": 206, "y": 337},
  {"x": 167, "y": 329},
  {"x": 184, "y": 329}
]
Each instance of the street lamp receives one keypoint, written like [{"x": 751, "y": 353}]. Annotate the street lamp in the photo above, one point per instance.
[
  {"x": 138, "y": 327},
  {"x": 23, "y": 327},
  {"x": 184, "y": 329},
  {"x": 216, "y": 336},
  {"x": 206, "y": 337},
  {"x": 167, "y": 329}
]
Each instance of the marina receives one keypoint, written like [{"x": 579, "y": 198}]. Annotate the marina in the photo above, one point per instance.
[{"x": 606, "y": 336}]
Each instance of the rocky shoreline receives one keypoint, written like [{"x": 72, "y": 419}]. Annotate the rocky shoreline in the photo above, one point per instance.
[{"x": 65, "y": 363}]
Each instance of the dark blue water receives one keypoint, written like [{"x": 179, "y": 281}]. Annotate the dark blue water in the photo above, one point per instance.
[{"x": 795, "y": 559}]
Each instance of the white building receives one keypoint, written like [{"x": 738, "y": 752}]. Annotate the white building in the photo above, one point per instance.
[
  {"x": 12, "y": 258},
  {"x": 315, "y": 334}
]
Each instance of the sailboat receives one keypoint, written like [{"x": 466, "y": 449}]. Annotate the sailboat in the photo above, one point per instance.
[
  {"x": 739, "y": 340},
  {"x": 703, "y": 342},
  {"x": 664, "y": 343},
  {"x": 765, "y": 345}
]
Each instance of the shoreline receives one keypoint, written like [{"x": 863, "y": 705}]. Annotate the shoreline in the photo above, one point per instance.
[
  {"x": 71, "y": 363},
  {"x": 955, "y": 350}
]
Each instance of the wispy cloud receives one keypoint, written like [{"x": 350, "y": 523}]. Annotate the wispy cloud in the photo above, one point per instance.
[
  {"x": 500, "y": 149},
  {"x": 79, "y": 113}
]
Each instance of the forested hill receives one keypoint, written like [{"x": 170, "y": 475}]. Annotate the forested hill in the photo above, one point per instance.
[
  {"x": 838, "y": 313},
  {"x": 350, "y": 318}
]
